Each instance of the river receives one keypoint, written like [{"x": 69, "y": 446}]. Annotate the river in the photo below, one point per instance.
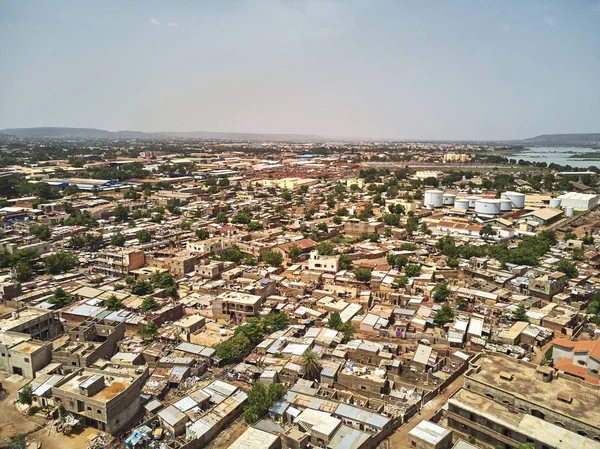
[{"x": 558, "y": 155}]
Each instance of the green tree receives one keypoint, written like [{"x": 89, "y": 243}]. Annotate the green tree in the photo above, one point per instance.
[
  {"x": 255, "y": 226},
  {"x": 113, "y": 303},
  {"x": 26, "y": 395},
  {"x": 567, "y": 267},
  {"x": 60, "y": 262},
  {"x": 348, "y": 330},
  {"x": 447, "y": 246},
  {"x": 362, "y": 274},
  {"x": 335, "y": 321},
  {"x": 121, "y": 213},
  {"x": 412, "y": 270},
  {"x": 60, "y": 297},
  {"x": 149, "y": 331},
  {"x": 326, "y": 248},
  {"x": 570, "y": 236},
  {"x": 345, "y": 262},
  {"x": 221, "y": 218},
  {"x": 272, "y": 258},
  {"x": 202, "y": 234},
  {"x": 337, "y": 220},
  {"x": 143, "y": 236},
  {"x": 441, "y": 292},
  {"x": 311, "y": 363},
  {"x": 487, "y": 231},
  {"x": 521, "y": 313},
  {"x": 294, "y": 252},
  {"x": 118, "y": 239},
  {"x": 148, "y": 304},
  {"x": 443, "y": 315},
  {"x": 286, "y": 195},
  {"x": 142, "y": 288},
  {"x": 42, "y": 232},
  {"x": 275, "y": 321},
  {"x": 24, "y": 272},
  {"x": 400, "y": 282},
  {"x": 185, "y": 225},
  {"x": 232, "y": 254}
]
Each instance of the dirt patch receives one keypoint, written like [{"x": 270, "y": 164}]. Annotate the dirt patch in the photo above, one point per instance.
[
  {"x": 226, "y": 437},
  {"x": 111, "y": 391}
]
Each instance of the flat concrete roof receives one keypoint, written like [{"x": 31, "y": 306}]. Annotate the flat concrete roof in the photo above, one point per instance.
[{"x": 528, "y": 385}]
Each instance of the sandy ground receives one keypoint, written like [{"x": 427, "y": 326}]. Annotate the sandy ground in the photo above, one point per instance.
[
  {"x": 399, "y": 439},
  {"x": 13, "y": 422},
  {"x": 229, "y": 435}
]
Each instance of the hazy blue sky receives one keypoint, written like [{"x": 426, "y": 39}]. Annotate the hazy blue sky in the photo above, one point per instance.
[{"x": 480, "y": 69}]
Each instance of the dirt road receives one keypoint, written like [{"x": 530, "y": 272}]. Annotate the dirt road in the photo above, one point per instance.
[{"x": 399, "y": 439}]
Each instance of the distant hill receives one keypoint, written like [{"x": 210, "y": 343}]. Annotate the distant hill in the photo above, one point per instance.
[
  {"x": 73, "y": 133},
  {"x": 576, "y": 140},
  {"x": 581, "y": 140},
  {"x": 93, "y": 133}
]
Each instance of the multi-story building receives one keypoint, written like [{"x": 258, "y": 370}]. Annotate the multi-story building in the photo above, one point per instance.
[
  {"x": 506, "y": 402},
  {"x": 355, "y": 227},
  {"x": 236, "y": 303},
  {"x": 89, "y": 341},
  {"x": 329, "y": 264},
  {"x": 39, "y": 324},
  {"x": 21, "y": 355},
  {"x": 107, "y": 400},
  {"x": 547, "y": 286},
  {"x": 178, "y": 265},
  {"x": 119, "y": 262}
]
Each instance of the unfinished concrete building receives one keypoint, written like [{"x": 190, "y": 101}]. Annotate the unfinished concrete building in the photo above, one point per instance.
[
  {"x": 108, "y": 400},
  {"x": 89, "y": 341}
]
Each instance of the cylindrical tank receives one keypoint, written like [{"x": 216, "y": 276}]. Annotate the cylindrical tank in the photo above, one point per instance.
[
  {"x": 417, "y": 205},
  {"x": 555, "y": 203},
  {"x": 472, "y": 200},
  {"x": 449, "y": 199},
  {"x": 569, "y": 211},
  {"x": 487, "y": 206},
  {"x": 517, "y": 198},
  {"x": 462, "y": 204},
  {"x": 505, "y": 205},
  {"x": 429, "y": 206},
  {"x": 434, "y": 197}
]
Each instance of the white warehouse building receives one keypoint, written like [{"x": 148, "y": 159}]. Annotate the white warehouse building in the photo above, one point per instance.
[{"x": 579, "y": 201}]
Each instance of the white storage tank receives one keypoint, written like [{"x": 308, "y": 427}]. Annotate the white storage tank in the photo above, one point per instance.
[
  {"x": 417, "y": 205},
  {"x": 449, "y": 199},
  {"x": 505, "y": 205},
  {"x": 462, "y": 204},
  {"x": 555, "y": 203},
  {"x": 433, "y": 197},
  {"x": 487, "y": 206},
  {"x": 569, "y": 211},
  {"x": 517, "y": 198},
  {"x": 472, "y": 200}
]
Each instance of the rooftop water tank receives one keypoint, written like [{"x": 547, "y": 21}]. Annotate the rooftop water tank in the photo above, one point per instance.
[{"x": 569, "y": 211}]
